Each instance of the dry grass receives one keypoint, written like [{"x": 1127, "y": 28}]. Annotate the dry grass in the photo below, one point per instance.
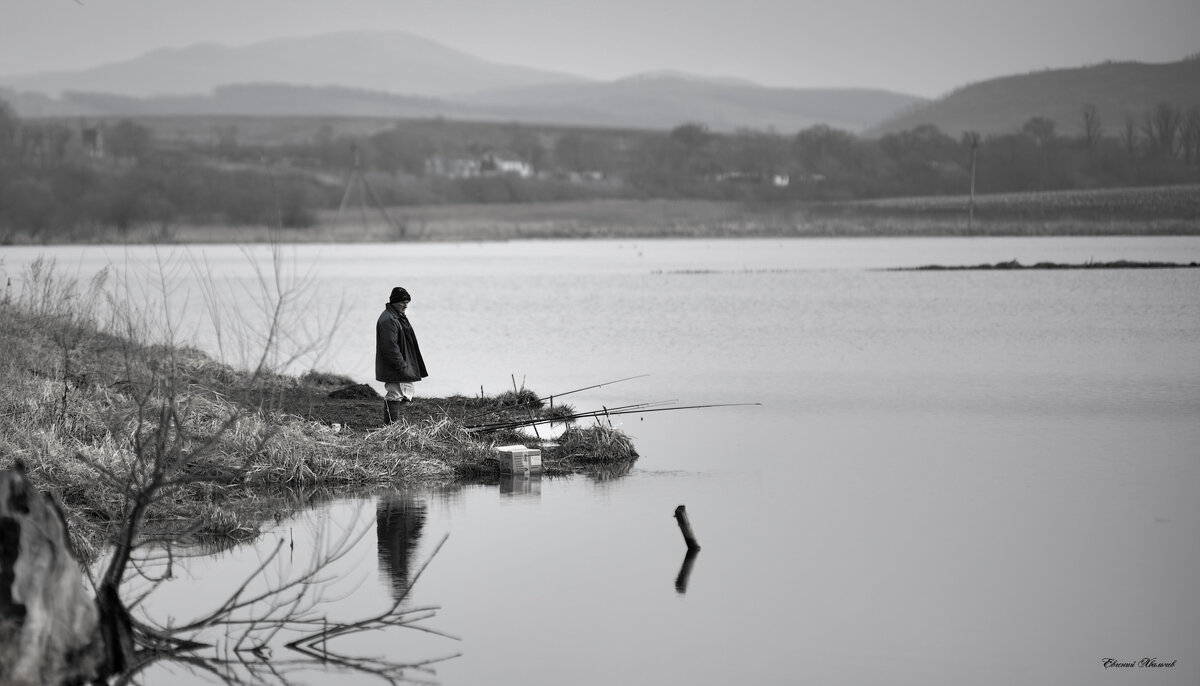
[
  {"x": 597, "y": 444},
  {"x": 600, "y": 451},
  {"x": 82, "y": 409}
]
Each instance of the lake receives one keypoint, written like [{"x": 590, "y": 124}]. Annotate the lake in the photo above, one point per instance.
[{"x": 983, "y": 477}]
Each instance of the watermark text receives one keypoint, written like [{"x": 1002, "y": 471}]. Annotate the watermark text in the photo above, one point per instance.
[{"x": 1151, "y": 662}]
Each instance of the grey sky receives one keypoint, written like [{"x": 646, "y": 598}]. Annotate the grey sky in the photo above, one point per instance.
[{"x": 923, "y": 47}]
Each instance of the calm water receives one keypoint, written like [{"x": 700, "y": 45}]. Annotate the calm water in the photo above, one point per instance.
[{"x": 956, "y": 477}]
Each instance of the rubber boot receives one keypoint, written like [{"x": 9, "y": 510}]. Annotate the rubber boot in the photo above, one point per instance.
[{"x": 391, "y": 411}]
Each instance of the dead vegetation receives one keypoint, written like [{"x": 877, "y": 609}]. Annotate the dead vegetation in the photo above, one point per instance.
[
  {"x": 142, "y": 441},
  {"x": 90, "y": 413}
]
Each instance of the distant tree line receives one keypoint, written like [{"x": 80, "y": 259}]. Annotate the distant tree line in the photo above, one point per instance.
[
  {"x": 60, "y": 179},
  {"x": 60, "y": 182}
]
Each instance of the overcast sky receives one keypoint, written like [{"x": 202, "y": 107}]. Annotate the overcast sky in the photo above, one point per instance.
[{"x": 921, "y": 47}]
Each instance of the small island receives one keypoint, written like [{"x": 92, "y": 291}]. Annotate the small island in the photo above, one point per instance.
[{"x": 1014, "y": 265}]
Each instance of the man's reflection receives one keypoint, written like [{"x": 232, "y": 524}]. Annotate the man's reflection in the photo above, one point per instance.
[{"x": 398, "y": 524}]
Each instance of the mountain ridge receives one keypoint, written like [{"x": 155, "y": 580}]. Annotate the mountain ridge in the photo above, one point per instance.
[
  {"x": 357, "y": 59},
  {"x": 397, "y": 74},
  {"x": 338, "y": 68},
  {"x": 1002, "y": 105}
]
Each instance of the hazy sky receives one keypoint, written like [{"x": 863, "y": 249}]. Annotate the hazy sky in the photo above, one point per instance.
[{"x": 923, "y": 47}]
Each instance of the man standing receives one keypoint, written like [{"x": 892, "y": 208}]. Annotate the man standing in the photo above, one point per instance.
[{"x": 398, "y": 362}]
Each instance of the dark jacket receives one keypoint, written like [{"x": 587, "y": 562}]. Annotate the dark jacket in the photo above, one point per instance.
[{"x": 397, "y": 355}]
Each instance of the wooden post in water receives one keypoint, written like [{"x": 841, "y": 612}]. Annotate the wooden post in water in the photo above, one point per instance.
[
  {"x": 686, "y": 527},
  {"x": 685, "y": 571}
]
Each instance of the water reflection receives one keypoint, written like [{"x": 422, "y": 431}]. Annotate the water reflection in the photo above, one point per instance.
[
  {"x": 611, "y": 471},
  {"x": 275, "y": 621},
  {"x": 1075, "y": 392},
  {"x": 521, "y": 485},
  {"x": 399, "y": 520},
  {"x": 685, "y": 570}
]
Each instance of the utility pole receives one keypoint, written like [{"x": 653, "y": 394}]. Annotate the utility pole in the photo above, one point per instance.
[
  {"x": 971, "y": 198},
  {"x": 358, "y": 181}
]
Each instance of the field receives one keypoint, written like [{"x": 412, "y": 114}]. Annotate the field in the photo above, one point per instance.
[
  {"x": 1172, "y": 210},
  {"x": 1156, "y": 203}
]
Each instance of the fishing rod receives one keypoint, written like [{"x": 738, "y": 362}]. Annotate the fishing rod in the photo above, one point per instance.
[
  {"x": 596, "y": 415},
  {"x": 601, "y": 413},
  {"x": 564, "y": 418},
  {"x": 551, "y": 397},
  {"x": 588, "y": 388}
]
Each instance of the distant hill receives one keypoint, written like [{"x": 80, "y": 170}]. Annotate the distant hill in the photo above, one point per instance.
[
  {"x": 390, "y": 61},
  {"x": 377, "y": 74},
  {"x": 668, "y": 99},
  {"x": 1004, "y": 104},
  {"x": 652, "y": 103},
  {"x": 267, "y": 100}
]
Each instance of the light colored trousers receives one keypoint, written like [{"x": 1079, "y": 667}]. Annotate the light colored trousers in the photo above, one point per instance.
[{"x": 398, "y": 391}]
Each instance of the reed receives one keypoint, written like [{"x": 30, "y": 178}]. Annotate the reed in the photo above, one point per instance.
[
  {"x": 562, "y": 412},
  {"x": 596, "y": 444},
  {"x": 519, "y": 398}
]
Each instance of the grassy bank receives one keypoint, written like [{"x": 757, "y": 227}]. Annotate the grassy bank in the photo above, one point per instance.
[
  {"x": 1173, "y": 210},
  {"x": 92, "y": 414}
]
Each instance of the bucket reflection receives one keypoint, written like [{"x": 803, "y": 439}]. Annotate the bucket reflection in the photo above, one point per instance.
[{"x": 521, "y": 485}]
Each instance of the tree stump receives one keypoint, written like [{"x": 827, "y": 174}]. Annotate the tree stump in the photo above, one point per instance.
[{"x": 49, "y": 623}]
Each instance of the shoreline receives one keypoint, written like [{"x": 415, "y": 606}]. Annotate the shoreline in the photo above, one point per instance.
[
  {"x": 845, "y": 227},
  {"x": 1169, "y": 211},
  {"x": 90, "y": 415}
]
